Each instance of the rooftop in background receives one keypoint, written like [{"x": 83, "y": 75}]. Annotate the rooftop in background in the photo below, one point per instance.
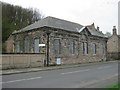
[{"x": 94, "y": 31}]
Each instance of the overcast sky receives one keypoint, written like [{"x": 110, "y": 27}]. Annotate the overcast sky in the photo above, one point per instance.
[{"x": 104, "y": 13}]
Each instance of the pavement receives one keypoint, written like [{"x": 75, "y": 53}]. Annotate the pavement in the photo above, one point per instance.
[{"x": 27, "y": 70}]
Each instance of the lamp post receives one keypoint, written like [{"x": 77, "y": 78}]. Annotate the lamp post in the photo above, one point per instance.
[{"x": 48, "y": 34}]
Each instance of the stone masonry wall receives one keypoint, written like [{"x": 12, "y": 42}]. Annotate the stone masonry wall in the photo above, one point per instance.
[
  {"x": 22, "y": 60},
  {"x": 65, "y": 38},
  {"x": 112, "y": 44},
  {"x": 113, "y": 48}
]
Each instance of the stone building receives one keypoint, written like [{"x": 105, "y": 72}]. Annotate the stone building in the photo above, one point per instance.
[
  {"x": 113, "y": 46},
  {"x": 68, "y": 42}
]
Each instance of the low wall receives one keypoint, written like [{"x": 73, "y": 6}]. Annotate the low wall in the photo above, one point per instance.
[
  {"x": 84, "y": 59},
  {"x": 113, "y": 56},
  {"x": 10, "y": 61},
  {"x": 22, "y": 60}
]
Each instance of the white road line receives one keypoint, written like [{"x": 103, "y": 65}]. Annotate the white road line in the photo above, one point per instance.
[
  {"x": 104, "y": 67},
  {"x": 84, "y": 84},
  {"x": 21, "y": 80},
  {"x": 75, "y": 71}
]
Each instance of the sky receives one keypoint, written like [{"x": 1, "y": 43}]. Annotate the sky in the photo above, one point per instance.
[{"x": 103, "y": 13}]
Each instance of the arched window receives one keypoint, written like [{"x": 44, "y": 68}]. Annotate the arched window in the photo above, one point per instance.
[
  {"x": 17, "y": 47},
  {"x": 26, "y": 45},
  {"x": 103, "y": 49},
  {"x": 84, "y": 48},
  {"x": 94, "y": 48},
  {"x": 72, "y": 47},
  {"x": 57, "y": 46}
]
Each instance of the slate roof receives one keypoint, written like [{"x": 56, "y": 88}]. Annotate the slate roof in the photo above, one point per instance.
[
  {"x": 60, "y": 24},
  {"x": 54, "y": 23},
  {"x": 94, "y": 31}
]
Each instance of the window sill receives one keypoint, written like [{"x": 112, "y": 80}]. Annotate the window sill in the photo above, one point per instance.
[
  {"x": 84, "y": 54},
  {"x": 94, "y": 54}
]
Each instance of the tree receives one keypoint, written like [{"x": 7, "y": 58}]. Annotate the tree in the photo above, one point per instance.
[
  {"x": 16, "y": 17},
  {"x": 108, "y": 34}
]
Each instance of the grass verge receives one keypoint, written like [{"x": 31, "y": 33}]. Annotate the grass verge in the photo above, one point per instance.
[{"x": 117, "y": 85}]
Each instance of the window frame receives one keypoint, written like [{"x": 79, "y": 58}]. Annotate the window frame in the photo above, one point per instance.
[
  {"x": 94, "y": 48},
  {"x": 57, "y": 46},
  {"x": 26, "y": 45},
  {"x": 85, "y": 48},
  {"x": 17, "y": 47},
  {"x": 72, "y": 47},
  {"x": 35, "y": 49}
]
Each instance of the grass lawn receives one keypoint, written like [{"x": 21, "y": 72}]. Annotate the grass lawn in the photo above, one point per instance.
[{"x": 117, "y": 85}]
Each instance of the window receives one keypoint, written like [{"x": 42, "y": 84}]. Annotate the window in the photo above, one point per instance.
[
  {"x": 84, "y": 48},
  {"x": 57, "y": 46},
  {"x": 72, "y": 47},
  {"x": 103, "y": 49},
  {"x": 94, "y": 48},
  {"x": 26, "y": 45},
  {"x": 36, "y": 46},
  {"x": 17, "y": 46}
]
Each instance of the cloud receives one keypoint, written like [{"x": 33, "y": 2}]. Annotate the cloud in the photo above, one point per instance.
[{"x": 103, "y": 12}]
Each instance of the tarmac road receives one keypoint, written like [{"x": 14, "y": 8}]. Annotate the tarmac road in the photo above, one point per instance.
[{"x": 88, "y": 76}]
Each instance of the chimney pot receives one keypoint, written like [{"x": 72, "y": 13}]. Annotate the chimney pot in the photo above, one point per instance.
[{"x": 114, "y": 27}]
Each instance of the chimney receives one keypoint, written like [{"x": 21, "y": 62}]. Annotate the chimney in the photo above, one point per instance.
[
  {"x": 93, "y": 24},
  {"x": 98, "y": 28},
  {"x": 114, "y": 30}
]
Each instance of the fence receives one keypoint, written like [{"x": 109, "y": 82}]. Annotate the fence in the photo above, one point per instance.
[{"x": 21, "y": 60}]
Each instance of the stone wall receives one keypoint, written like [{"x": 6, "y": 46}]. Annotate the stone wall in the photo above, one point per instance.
[
  {"x": 112, "y": 44},
  {"x": 113, "y": 56},
  {"x": 119, "y": 44},
  {"x": 113, "y": 48},
  {"x": 66, "y": 56},
  {"x": 78, "y": 57},
  {"x": 10, "y": 44},
  {"x": 22, "y": 60}
]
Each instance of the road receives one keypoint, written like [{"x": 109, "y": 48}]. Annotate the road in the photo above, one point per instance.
[{"x": 93, "y": 75}]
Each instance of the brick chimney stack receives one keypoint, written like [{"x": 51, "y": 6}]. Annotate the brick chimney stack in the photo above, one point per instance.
[{"x": 114, "y": 30}]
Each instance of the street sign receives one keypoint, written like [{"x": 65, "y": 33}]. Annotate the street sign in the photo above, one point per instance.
[
  {"x": 58, "y": 61},
  {"x": 40, "y": 45}
]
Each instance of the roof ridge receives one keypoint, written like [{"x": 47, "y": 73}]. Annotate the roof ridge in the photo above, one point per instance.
[
  {"x": 63, "y": 20},
  {"x": 54, "y": 23}
]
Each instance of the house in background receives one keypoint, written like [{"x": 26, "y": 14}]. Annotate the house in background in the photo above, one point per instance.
[
  {"x": 113, "y": 46},
  {"x": 69, "y": 42}
]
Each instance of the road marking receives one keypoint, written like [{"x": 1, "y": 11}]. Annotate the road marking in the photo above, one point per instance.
[
  {"x": 22, "y": 80},
  {"x": 75, "y": 71},
  {"x": 85, "y": 84},
  {"x": 104, "y": 67}
]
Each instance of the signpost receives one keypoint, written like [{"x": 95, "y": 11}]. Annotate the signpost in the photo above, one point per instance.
[
  {"x": 58, "y": 61},
  {"x": 41, "y": 45}
]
